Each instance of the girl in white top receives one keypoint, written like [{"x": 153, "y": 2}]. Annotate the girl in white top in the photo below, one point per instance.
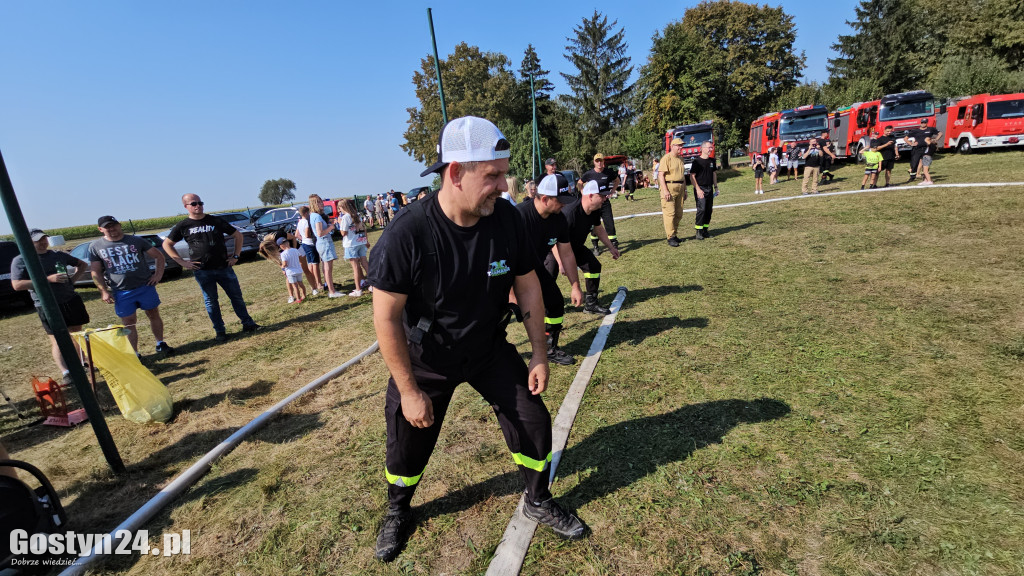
[
  {"x": 353, "y": 240},
  {"x": 305, "y": 234}
]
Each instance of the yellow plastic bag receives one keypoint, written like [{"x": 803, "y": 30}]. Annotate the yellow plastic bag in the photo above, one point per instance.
[{"x": 139, "y": 394}]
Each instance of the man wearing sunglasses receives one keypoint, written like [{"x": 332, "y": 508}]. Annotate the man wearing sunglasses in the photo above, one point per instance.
[{"x": 210, "y": 262}]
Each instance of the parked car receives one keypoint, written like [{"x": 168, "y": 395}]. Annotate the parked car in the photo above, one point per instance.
[
  {"x": 171, "y": 269},
  {"x": 239, "y": 220},
  {"x": 8, "y": 250},
  {"x": 250, "y": 244},
  {"x": 278, "y": 219},
  {"x": 255, "y": 213}
]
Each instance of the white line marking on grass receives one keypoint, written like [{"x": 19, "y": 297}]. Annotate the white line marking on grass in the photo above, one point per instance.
[
  {"x": 842, "y": 193},
  {"x": 511, "y": 551},
  {"x": 200, "y": 468}
]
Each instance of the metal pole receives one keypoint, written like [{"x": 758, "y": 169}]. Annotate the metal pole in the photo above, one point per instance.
[
  {"x": 437, "y": 67},
  {"x": 535, "y": 152},
  {"x": 53, "y": 317}
]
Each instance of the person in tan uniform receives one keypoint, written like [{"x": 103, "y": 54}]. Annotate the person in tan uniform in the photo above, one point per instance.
[{"x": 672, "y": 180}]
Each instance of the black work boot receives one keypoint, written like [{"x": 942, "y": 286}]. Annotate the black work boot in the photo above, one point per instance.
[
  {"x": 556, "y": 354},
  {"x": 592, "y": 306},
  {"x": 596, "y": 248},
  {"x": 549, "y": 513},
  {"x": 673, "y": 242},
  {"x": 393, "y": 534},
  {"x": 700, "y": 234}
]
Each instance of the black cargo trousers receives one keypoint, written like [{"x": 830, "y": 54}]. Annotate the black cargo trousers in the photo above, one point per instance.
[{"x": 501, "y": 378}]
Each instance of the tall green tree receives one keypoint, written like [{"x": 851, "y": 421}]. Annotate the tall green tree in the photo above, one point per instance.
[
  {"x": 599, "y": 90},
  {"x": 476, "y": 83},
  {"x": 892, "y": 43},
  {"x": 277, "y": 191},
  {"x": 531, "y": 65},
  {"x": 725, "y": 61}
]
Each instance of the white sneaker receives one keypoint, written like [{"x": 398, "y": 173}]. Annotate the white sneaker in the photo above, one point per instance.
[
  {"x": 923, "y": 183},
  {"x": 315, "y": 292},
  {"x": 335, "y": 295},
  {"x": 291, "y": 299},
  {"x": 355, "y": 293}
]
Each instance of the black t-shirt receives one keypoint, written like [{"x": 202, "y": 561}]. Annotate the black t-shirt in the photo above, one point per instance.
[
  {"x": 542, "y": 233},
  {"x": 703, "y": 169},
  {"x": 205, "y": 238},
  {"x": 630, "y": 176},
  {"x": 580, "y": 223},
  {"x": 889, "y": 152},
  {"x": 826, "y": 147},
  {"x": 477, "y": 267},
  {"x": 813, "y": 160},
  {"x": 919, "y": 138},
  {"x": 604, "y": 179}
]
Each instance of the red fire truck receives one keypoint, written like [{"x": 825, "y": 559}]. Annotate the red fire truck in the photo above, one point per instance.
[
  {"x": 692, "y": 135},
  {"x": 764, "y": 133},
  {"x": 986, "y": 121},
  {"x": 852, "y": 128},
  {"x": 904, "y": 112}
]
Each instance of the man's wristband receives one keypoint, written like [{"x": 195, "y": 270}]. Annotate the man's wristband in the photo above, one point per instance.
[{"x": 235, "y": 256}]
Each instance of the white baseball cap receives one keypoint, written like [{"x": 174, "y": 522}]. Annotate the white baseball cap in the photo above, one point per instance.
[
  {"x": 556, "y": 186},
  {"x": 591, "y": 187},
  {"x": 469, "y": 139}
]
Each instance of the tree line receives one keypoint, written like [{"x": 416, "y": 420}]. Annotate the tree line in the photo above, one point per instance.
[{"x": 723, "y": 60}]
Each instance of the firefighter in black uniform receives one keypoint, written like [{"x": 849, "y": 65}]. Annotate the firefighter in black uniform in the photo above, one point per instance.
[
  {"x": 584, "y": 218},
  {"x": 441, "y": 273},
  {"x": 607, "y": 182},
  {"x": 547, "y": 229},
  {"x": 704, "y": 177},
  {"x": 828, "y": 159}
]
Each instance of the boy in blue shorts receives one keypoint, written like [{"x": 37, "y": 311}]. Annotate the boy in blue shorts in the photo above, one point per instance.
[{"x": 121, "y": 272}]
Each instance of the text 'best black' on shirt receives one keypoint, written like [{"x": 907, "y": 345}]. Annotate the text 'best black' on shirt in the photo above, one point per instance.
[{"x": 478, "y": 265}]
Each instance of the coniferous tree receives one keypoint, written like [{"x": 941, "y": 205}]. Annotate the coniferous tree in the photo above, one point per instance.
[
  {"x": 599, "y": 91},
  {"x": 531, "y": 65}
]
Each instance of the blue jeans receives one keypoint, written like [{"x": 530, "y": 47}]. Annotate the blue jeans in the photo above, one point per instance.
[{"x": 208, "y": 281}]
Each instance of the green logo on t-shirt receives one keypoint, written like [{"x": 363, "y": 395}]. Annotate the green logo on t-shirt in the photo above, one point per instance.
[{"x": 498, "y": 268}]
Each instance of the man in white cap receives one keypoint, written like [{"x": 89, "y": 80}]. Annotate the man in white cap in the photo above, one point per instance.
[
  {"x": 584, "y": 218},
  {"x": 62, "y": 282},
  {"x": 547, "y": 229},
  {"x": 441, "y": 273}
]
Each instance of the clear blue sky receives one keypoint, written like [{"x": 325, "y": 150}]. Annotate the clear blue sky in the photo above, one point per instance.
[{"x": 121, "y": 107}]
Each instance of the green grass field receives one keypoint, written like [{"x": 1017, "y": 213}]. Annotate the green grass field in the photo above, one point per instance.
[{"x": 829, "y": 386}]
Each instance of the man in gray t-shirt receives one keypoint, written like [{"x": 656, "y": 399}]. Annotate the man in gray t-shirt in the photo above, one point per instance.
[
  {"x": 121, "y": 272},
  {"x": 59, "y": 274}
]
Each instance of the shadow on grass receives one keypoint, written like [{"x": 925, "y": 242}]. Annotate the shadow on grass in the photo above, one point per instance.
[
  {"x": 635, "y": 332},
  {"x": 634, "y": 297},
  {"x": 620, "y": 454},
  {"x": 144, "y": 479},
  {"x": 616, "y": 456},
  {"x": 257, "y": 388},
  {"x": 720, "y": 231}
]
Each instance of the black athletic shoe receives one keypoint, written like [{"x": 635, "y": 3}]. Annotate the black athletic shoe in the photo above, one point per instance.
[
  {"x": 165, "y": 348},
  {"x": 873, "y": 187},
  {"x": 707, "y": 233},
  {"x": 252, "y": 328},
  {"x": 221, "y": 337},
  {"x": 673, "y": 242},
  {"x": 912, "y": 178},
  {"x": 549, "y": 513},
  {"x": 596, "y": 308},
  {"x": 393, "y": 534},
  {"x": 559, "y": 356}
]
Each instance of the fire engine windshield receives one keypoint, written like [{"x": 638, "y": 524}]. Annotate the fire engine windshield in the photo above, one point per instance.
[
  {"x": 803, "y": 125},
  {"x": 1007, "y": 109},
  {"x": 904, "y": 110},
  {"x": 691, "y": 139}
]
